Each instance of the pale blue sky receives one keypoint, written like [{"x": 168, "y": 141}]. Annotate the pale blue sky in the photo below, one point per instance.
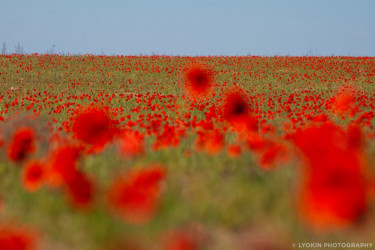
[{"x": 191, "y": 27}]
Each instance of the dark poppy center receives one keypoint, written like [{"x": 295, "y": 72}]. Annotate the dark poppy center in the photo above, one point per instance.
[
  {"x": 239, "y": 109},
  {"x": 200, "y": 79}
]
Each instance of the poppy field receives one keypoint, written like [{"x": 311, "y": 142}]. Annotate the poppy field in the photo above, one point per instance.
[{"x": 185, "y": 153}]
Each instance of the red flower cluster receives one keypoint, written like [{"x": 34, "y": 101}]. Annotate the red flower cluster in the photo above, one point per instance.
[
  {"x": 335, "y": 186},
  {"x": 63, "y": 171},
  {"x": 60, "y": 169},
  {"x": 210, "y": 141},
  {"x": 345, "y": 102}
]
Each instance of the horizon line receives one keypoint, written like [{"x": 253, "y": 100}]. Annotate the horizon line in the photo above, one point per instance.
[{"x": 175, "y": 55}]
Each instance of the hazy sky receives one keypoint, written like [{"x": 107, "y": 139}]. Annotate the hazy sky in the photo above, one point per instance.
[{"x": 190, "y": 27}]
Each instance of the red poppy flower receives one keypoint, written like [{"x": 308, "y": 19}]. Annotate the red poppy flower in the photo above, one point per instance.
[
  {"x": 62, "y": 164},
  {"x": 333, "y": 198},
  {"x": 80, "y": 190},
  {"x": 135, "y": 196},
  {"x": 22, "y": 144},
  {"x": 93, "y": 126},
  {"x": 198, "y": 80},
  {"x": 238, "y": 113},
  {"x": 334, "y": 191},
  {"x": 16, "y": 238},
  {"x": 33, "y": 175}
]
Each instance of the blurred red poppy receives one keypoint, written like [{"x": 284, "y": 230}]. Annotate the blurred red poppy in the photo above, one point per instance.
[
  {"x": 334, "y": 188},
  {"x": 93, "y": 126},
  {"x": 62, "y": 164},
  {"x": 33, "y": 175},
  {"x": 135, "y": 196},
  {"x": 198, "y": 80},
  {"x": 22, "y": 144},
  {"x": 238, "y": 113},
  {"x": 80, "y": 190},
  {"x": 17, "y": 238}
]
